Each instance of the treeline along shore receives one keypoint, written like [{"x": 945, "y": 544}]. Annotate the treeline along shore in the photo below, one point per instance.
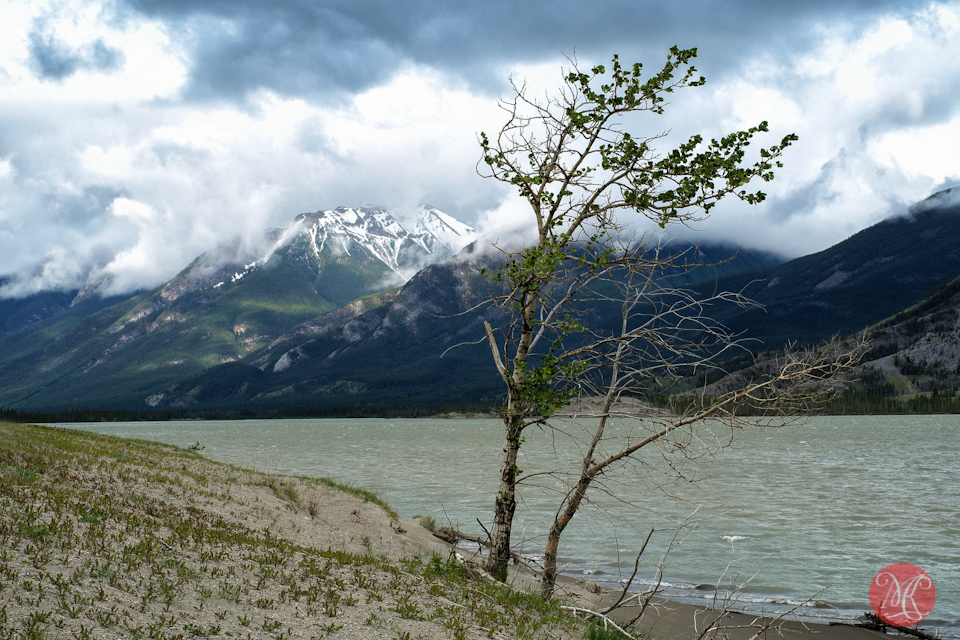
[
  {"x": 246, "y": 413},
  {"x": 849, "y": 402}
]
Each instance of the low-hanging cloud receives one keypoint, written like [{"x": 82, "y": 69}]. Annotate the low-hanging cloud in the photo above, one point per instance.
[
  {"x": 861, "y": 101},
  {"x": 179, "y": 181}
]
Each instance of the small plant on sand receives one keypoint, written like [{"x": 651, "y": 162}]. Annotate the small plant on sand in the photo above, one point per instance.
[
  {"x": 314, "y": 504},
  {"x": 598, "y": 631},
  {"x": 427, "y": 522},
  {"x": 407, "y": 608}
]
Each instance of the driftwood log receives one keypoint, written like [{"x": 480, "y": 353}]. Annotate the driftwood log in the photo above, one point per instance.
[
  {"x": 453, "y": 536},
  {"x": 875, "y": 623}
]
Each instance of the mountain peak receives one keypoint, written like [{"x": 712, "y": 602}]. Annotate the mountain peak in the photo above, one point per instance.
[
  {"x": 450, "y": 231},
  {"x": 432, "y": 236},
  {"x": 941, "y": 200}
]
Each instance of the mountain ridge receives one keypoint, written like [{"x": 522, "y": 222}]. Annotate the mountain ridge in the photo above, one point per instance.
[
  {"x": 871, "y": 275},
  {"x": 436, "y": 236},
  {"x": 213, "y": 311},
  {"x": 883, "y": 269},
  {"x": 319, "y": 325}
]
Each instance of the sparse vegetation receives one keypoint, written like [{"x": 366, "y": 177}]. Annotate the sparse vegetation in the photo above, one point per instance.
[
  {"x": 106, "y": 537},
  {"x": 597, "y": 631},
  {"x": 427, "y": 522}
]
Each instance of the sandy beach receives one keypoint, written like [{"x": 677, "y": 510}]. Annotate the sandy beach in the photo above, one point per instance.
[{"x": 109, "y": 538}]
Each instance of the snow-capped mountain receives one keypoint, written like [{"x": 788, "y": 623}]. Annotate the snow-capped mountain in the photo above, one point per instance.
[
  {"x": 450, "y": 231},
  {"x": 435, "y": 236}
]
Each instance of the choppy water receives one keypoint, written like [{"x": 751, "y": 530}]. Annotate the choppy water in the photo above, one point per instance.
[{"x": 790, "y": 511}]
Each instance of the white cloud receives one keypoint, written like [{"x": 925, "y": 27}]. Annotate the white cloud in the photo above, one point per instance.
[
  {"x": 875, "y": 112},
  {"x": 409, "y": 141},
  {"x": 510, "y": 225},
  {"x": 151, "y": 67},
  {"x": 921, "y": 153},
  {"x": 7, "y": 172},
  {"x": 186, "y": 177},
  {"x": 111, "y": 170}
]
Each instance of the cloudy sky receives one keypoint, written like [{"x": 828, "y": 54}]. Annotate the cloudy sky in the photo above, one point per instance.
[{"x": 135, "y": 134}]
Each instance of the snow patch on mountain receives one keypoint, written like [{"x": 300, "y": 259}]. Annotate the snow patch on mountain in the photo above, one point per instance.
[
  {"x": 434, "y": 236},
  {"x": 448, "y": 230}
]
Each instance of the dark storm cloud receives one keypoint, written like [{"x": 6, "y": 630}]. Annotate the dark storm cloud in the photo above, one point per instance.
[
  {"x": 54, "y": 60},
  {"x": 303, "y": 46}
]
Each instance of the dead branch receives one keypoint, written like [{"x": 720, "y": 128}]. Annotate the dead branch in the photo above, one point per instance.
[
  {"x": 636, "y": 566},
  {"x": 453, "y": 536},
  {"x": 876, "y": 623}
]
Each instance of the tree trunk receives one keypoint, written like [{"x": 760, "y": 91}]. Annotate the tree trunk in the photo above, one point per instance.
[
  {"x": 587, "y": 473},
  {"x": 549, "y": 578},
  {"x": 506, "y": 503},
  {"x": 513, "y": 424}
]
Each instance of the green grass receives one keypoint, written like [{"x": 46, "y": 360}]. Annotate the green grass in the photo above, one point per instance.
[
  {"x": 597, "y": 631},
  {"x": 367, "y": 496},
  {"x": 899, "y": 382}
]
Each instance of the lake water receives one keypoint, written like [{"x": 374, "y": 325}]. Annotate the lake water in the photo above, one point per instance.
[{"x": 787, "y": 511}]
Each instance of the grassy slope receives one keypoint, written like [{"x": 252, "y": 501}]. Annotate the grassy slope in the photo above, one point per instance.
[{"x": 107, "y": 538}]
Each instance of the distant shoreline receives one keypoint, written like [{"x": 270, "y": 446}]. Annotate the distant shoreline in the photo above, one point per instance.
[{"x": 920, "y": 405}]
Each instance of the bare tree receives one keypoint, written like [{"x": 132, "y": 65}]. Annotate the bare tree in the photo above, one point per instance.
[
  {"x": 588, "y": 310},
  {"x": 781, "y": 392}
]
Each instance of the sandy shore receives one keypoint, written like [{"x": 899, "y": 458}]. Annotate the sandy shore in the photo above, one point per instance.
[
  {"x": 665, "y": 620},
  {"x": 107, "y": 538}
]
